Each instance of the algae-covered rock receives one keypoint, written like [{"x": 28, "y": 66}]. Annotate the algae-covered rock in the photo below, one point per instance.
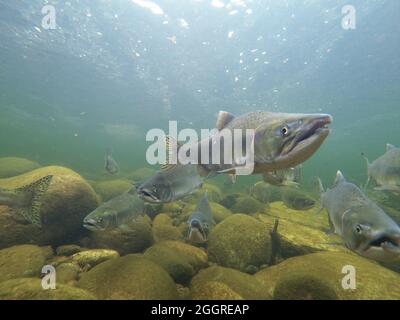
[
  {"x": 67, "y": 273},
  {"x": 172, "y": 261},
  {"x": 304, "y": 286},
  {"x": 197, "y": 257},
  {"x": 243, "y": 284},
  {"x": 91, "y": 258},
  {"x": 68, "y": 199},
  {"x": 141, "y": 174},
  {"x": 23, "y": 261},
  {"x": 301, "y": 232},
  {"x": 68, "y": 250},
  {"x": 218, "y": 211},
  {"x": 129, "y": 277},
  {"x": 13, "y": 166},
  {"x": 238, "y": 242},
  {"x": 111, "y": 188},
  {"x": 247, "y": 205},
  {"x": 31, "y": 289},
  {"x": 135, "y": 237},
  {"x": 215, "y": 290},
  {"x": 265, "y": 192},
  {"x": 230, "y": 200},
  {"x": 163, "y": 228},
  {"x": 214, "y": 193},
  {"x": 372, "y": 280},
  {"x": 297, "y": 199}
]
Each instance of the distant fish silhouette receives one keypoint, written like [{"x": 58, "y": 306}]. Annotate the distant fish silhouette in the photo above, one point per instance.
[{"x": 110, "y": 165}]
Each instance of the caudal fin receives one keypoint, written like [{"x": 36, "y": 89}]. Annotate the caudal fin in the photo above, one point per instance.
[
  {"x": 37, "y": 190},
  {"x": 368, "y": 164}
]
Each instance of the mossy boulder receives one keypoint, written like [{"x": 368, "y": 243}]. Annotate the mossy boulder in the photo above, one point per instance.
[
  {"x": 215, "y": 290},
  {"x": 197, "y": 257},
  {"x": 67, "y": 273},
  {"x": 68, "y": 250},
  {"x": 242, "y": 284},
  {"x": 373, "y": 281},
  {"x": 31, "y": 289},
  {"x": 111, "y": 188},
  {"x": 23, "y": 261},
  {"x": 297, "y": 199},
  {"x": 174, "y": 262},
  {"x": 230, "y": 200},
  {"x": 13, "y": 166},
  {"x": 214, "y": 193},
  {"x": 238, "y": 242},
  {"x": 301, "y": 232},
  {"x": 91, "y": 258},
  {"x": 163, "y": 228},
  {"x": 134, "y": 237},
  {"x": 247, "y": 205},
  {"x": 129, "y": 277},
  {"x": 68, "y": 199},
  {"x": 219, "y": 212}
]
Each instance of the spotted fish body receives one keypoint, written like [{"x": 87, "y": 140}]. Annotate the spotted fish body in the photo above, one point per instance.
[{"x": 27, "y": 200}]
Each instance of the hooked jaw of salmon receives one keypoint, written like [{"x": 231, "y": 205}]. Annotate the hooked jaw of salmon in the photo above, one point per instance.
[
  {"x": 197, "y": 233},
  {"x": 385, "y": 246},
  {"x": 307, "y": 140}
]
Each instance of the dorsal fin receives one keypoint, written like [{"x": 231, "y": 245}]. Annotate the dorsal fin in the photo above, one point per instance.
[
  {"x": 223, "y": 119},
  {"x": 390, "y": 147},
  {"x": 171, "y": 146},
  {"x": 339, "y": 177}
]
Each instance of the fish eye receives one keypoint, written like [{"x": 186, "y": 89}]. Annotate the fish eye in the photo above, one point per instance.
[
  {"x": 358, "y": 229},
  {"x": 285, "y": 131}
]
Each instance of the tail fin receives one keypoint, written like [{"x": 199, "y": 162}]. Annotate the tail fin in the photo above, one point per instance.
[
  {"x": 368, "y": 164},
  {"x": 37, "y": 189}
]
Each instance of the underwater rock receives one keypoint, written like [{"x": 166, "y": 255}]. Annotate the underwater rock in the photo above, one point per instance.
[
  {"x": 238, "y": 242},
  {"x": 68, "y": 250},
  {"x": 23, "y": 261},
  {"x": 175, "y": 207},
  {"x": 163, "y": 228},
  {"x": 13, "y": 166},
  {"x": 91, "y": 258},
  {"x": 31, "y": 289},
  {"x": 230, "y": 200},
  {"x": 372, "y": 280},
  {"x": 265, "y": 192},
  {"x": 172, "y": 261},
  {"x": 135, "y": 237},
  {"x": 183, "y": 292},
  {"x": 111, "y": 188},
  {"x": 197, "y": 257},
  {"x": 67, "y": 273},
  {"x": 141, "y": 174},
  {"x": 214, "y": 193},
  {"x": 297, "y": 199},
  {"x": 303, "y": 287},
  {"x": 129, "y": 277},
  {"x": 301, "y": 232},
  {"x": 218, "y": 211},
  {"x": 215, "y": 290},
  {"x": 247, "y": 205},
  {"x": 66, "y": 202},
  {"x": 243, "y": 284}
]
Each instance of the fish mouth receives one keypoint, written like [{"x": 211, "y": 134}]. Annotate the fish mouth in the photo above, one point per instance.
[
  {"x": 383, "y": 248},
  {"x": 91, "y": 225},
  {"x": 197, "y": 234},
  {"x": 148, "y": 196},
  {"x": 317, "y": 128}
]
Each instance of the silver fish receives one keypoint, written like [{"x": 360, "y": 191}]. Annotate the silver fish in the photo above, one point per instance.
[
  {"x": 200, "y": 222},
  {"x": 27, "y": 200},
  {"x": 364, "y": 227},
  {"x": 385, "y": 170},
  {"x": 171, "y": 183},
  {"x": 116, "y": 212},
  {"x": 110, "y": 165}
]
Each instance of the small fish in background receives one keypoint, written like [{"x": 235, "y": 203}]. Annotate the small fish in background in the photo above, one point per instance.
[
  {"x": 201, "y": 222},
  {"x": 27, "y": 200},
  {"x": 116, "y": 213},
  {"x": 385, "y": 170},
  {"x": 363, "y": 226},
  {"x": 297, "y": 199},
  {"x": 110, "y": 165},
  {"x": 290, "y": 177},
  {"x": 275, "y": 244}
]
